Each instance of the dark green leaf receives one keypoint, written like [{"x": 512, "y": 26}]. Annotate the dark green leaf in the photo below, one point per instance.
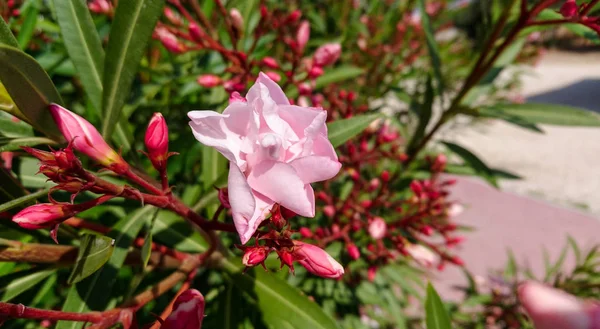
[
  {"x": 30, "y": 88},
  {"x": 6, "y": 35},
  {"x": 424, "y": 116},
  {"x": 342, "y": 130},
  {"x": 436, "y": 315},
  {"x": 14, "y": 144},
  {"x": 28, "y": 26},
  {"x": 147, "y": 247},
  {"x": 498, "y": 113},
  {"x": 432, "y": 47},
  {"x": 23, "y": 201},
  {"x": 94, "y": 252},
  {"x": 481, "y": 169},
  {"x": 94, "y": 292},
  {"x": 10, "y": 188},
  {"x": 338, "y": 74},
  {"x": 552, "y": 114},
  {"x": 467, "y": 170},
  {"x": 131, "y": 29},
  {"x": 83, "y": 45},
  {"x": 21, "y": 283}
]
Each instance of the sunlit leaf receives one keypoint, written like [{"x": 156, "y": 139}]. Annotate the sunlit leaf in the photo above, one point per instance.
[
  {"x": 436, "y": 315},
  {"x": 480, "y": 168},
  {"x": 94, "y": 252},
  {"x": 339, "y": 131}
]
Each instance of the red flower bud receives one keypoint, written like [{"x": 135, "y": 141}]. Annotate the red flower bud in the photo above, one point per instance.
[
  {"x": 329, "y": 211},
  {"x": 305, "y": 232},
  {"x": 270, "y": 62},
  {"x": 317, "y": 261},
  {"x": 353, "y": 251},
  {"x": 294, "y": 16},
  {"x": 157, "y": 141},
  {"x": 273, "y": 76},
  {"x": 84, "y": 137},
  {"x": 366, "y": 203},
  {"x": 254, "y": 256},
  {"x": 458, "y": 261},
  {"x": 196, "y": 32},
  {"x": 169, "y": 40},
  {"x": 374, "y": 184},
  {"x": 377, "y": 228},
  {"x": 286, "y": 258},
  {"x": 371, "y": 273},
  {"x": 385, "y": 176},
  {"x": 188, "y": 311},
  {"x": 173, "y": 17},
  {"x": 569, "y": 9},
  {"x": 302, "y": 35},
  {"x": 327, "y": 54},
  {"x": 209, "y": 80},
  {"x": 427, "y": 230},
  {"x": 315, "y": 72},
  {"x": 41, "y": 215}
]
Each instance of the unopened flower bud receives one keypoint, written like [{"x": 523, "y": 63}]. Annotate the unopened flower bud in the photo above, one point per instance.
[
  {"x": 385, "y": 176},
  {"x": 569, "y": 9},
  {"x": 254, "y": 256},
  {"x": 422, "y": 255},
  {"x": 305, "y": 232},
  {"x": 427, "y": 230},
  {"x": 304, "y": 89},
  {"x": 294, "y": 16},
  {"x": 353, "y": 251},
  {"x": 317, "y": 261},
  {"x": 377, "y": 228},
  {"x": 196, "y": 32},
  {"x": 169, "y": 40},
  {"x": 315, "y": 72},
  {"x": 302, "y": 35},
  {"x": 188, "y": 311},
  {"x": 286, "y": 258},
  {"x": 41, "y": 215},
  {"x": 84, "y": 137},
  {"x": 327, "y": 54},
  {"x": 157, "y": 141},
  {"x": 329, "y": 211},
  {"x": 273, "y": 76},
  {"x": 7, "y": 158},
  {"x": 173, "y": 17},
  {"x": 236, "y": 19},
  {"x": 371, "y": 273},
  {"x": 209, "y": 80},
  {"x": 374, "y": 184},
  {"x": 270, "y": 62}
]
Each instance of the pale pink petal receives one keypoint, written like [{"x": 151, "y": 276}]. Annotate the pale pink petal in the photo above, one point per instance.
[
  {"x": 273, "y": 88},
  {"x": 315, "y": 168},
  {"x": 550, "y": 308},
  {"x": 322, "y": 146},
  {"x": 267, "y": 107},
  {"x": 301, "y": 117},
  {"x": 313, "y": 131},
  {"x": 238, "y": 117},
  {"x": 248, "y": 207},
  {"x": 280, "y": 182},
  {"x": 209, "y": 129}
]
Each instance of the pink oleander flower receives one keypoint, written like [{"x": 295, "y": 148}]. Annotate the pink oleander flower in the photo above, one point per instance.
[
  {"x": 302, "y": 35},
  {"x": 550, "y": 308},
  {"x": 157, "y": 141},
  {"x": 275, "y": 151},
  {"x": 327, "y": 54},
  {"x": 84, "y": 138},
  {"x": 41, "y": 215},
  {"x": 423, "y": 255},
  {"x": 317, "y": 261},
  {"x": 188, "y": 311},
  {"x": 377, "y": 228}
]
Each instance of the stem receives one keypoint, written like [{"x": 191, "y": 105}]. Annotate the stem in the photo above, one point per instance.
[
  {"x": 21, "y": 311},
  {"x": 588, "y": 7},
  {"x": 143, "y": 183}
]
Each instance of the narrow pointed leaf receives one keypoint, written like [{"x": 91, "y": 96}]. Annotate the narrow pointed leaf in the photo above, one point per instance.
[
  {"x": 17, "y": 283},
  {"x": 432, "y": 47},
  {"x": 83, "y": 45},
  {"x": 551, "y": 114},
  {"x": 131, "y": 29},
  {"x": 23, "y": 201},
  {"x": 436, "y": 315},
  {"x": 6, "y": 35},
  {"x": 340, "y": 131},
  {"x": 481, "y": 169},
  {"x": 27, "y": 28},
  {"x": 94, "y": 252},
  {"x": 30, "y": 88}
]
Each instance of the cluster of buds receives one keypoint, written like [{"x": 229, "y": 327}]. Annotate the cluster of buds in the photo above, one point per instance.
[
  {"x": 65, "y": 169},
  {"x": 10, "y": 9},
  {"x": 575, "y": 13},
  {"x": 278, "y": 240}
]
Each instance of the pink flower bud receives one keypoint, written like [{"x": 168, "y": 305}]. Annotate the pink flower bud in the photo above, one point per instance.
[
  {"x": 422, "y": 255},
  {"x": 569, "y": 9},
  {"x": 439, "y": 164},
  {"x": 157, "y": 141},
  {"x": 305, "y": 232},
  {"x": 273, "y": 76},
  {"x": 236, "y": 19},
  {"x": 169, "y": 40},
  {"x": 196, "y": 32},
  {"x": 317, "y": 261},
  {"x": 173, "y": 17},
  {"x": 41, "y": 215},
  {"x": 302, "y": 35},
  {"x": 7, "y": 158},
  {"x": 377, "y": 228},
  {"x": 427, "y": 230},
  {"x": 270, "y": 62},
  {"x": 84, "y": 137},
  {"x": 304, "y": 89},
  {"x": 188, "y": 311},
  {"x": 550, "y": 308},
  {"x": 329, "y": 211},
  {"x": 353, "y": 251},
  {"x": 385, "y": 176},
  {"x": 327, "y": 54},
  {"x": 103, "y": 7},
  {"x": 374, "y": 184},
  {"x": 371, "y": 273},
  {"x": 254, "y": 256},
  {"x": 315, "y": 72},
  {"x": 209, "y": 80},
  {"x": 294, "y": 16}
]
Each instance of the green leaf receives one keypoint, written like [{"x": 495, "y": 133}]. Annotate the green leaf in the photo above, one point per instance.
[
  {"x": 23, "y": 201},
  {"x": 131, "y": 29},
  {"x": 424, "y": 115},
  {"x": 30, "y": 88},
  {"x": 10, "y": 188},
  {"x": 481, "y": 169},
  {"x": 94, "y": 292},
  {"x": 147, "y": 247},
  {"x": 342, "y": 130},
  {"x": 579, "y": 29},
  {"x": 551, "y": 114},
  {"x": 83, "y": 45},
  {"x": 12, "y": 288},
  {"x": 432, "y": 47},
  {"x": 436, "y": 315},
  {"x": 469, "y": 171},
  {"x": 6, "y": 35},
  {"x": 14, "y": 144},
  {"x": 338, "y": 74},
  {"x": 498, "y": 113},
  {"x": 281, "y": 305},
  {"x": 94, "y": 252},
  {"x": 13, "y": 129},
  {"x": 28, "y": 26}
]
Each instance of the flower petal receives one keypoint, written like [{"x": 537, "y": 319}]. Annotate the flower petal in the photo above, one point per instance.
[
  {"x": 301, "y": 117},
  {"x": 315, "y": 168},
  {"x": 280, "y": 182},
  {"x": 209, "y": 129},
  {"x": 274, "y": 90}
]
